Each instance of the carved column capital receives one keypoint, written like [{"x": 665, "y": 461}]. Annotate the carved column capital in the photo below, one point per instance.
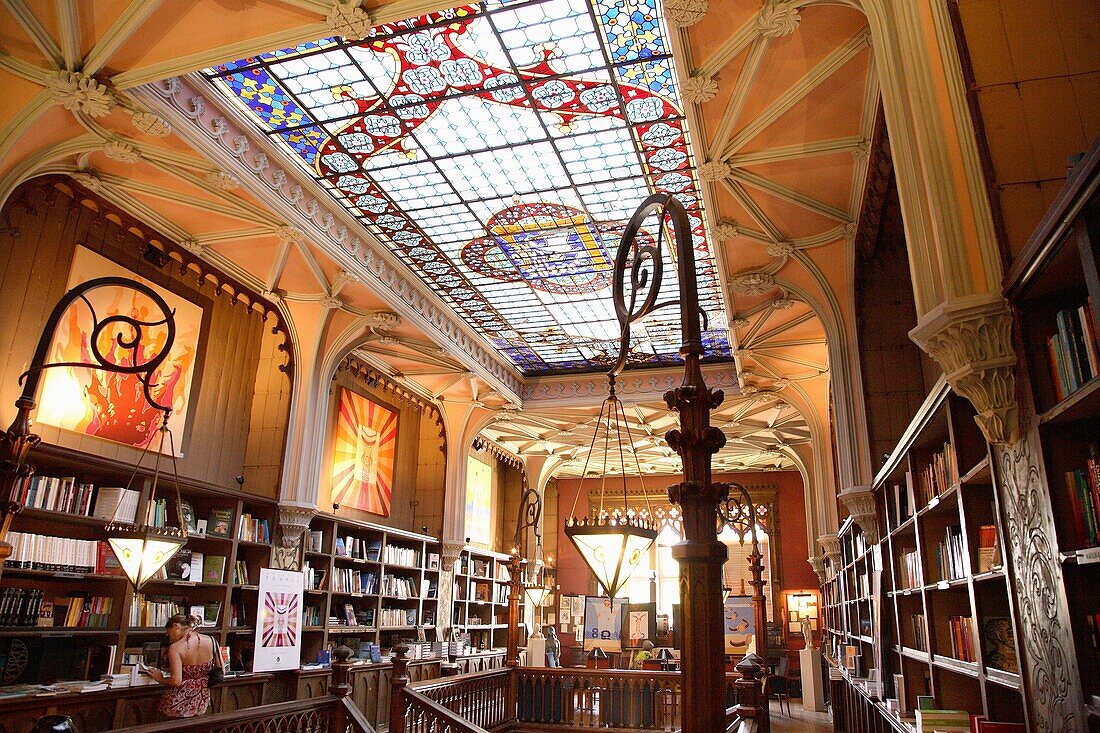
[
  {"x": 860, "y": 502},
  {"x": 971, "y": 339},
  {"x": 293, "y": 523},
  {"x": 818, "y": 564},
  {"x": 450, "y": 552},
  {"x": 682, "y": 13},
  {"x": 831, "y": 544}
]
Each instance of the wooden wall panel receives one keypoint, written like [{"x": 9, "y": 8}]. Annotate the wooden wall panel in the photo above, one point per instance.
[{"x": 40, "y": 227}]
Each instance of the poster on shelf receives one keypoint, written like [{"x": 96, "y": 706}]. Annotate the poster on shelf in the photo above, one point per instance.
[
  {"x": 738, "y": 623},
  {"x": 364, "y": 448},
  {"x": 278, "y": 621},
  {"x": 603, "y": 623},
  {"x": 111, "y": 405}
]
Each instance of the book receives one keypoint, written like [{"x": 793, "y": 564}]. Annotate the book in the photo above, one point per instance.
[
  {"x": 930, "y": 720},
  {"x": 196, "y": 566},
  {"x": 179, "y": 566},
  {"x": 989, "y": 554},
  {"x": 220, "y": 523},
  {"x": 1000, "y": 644},
  {"x": 188, "y": 512},
  {"x": 214, "y": 569}
]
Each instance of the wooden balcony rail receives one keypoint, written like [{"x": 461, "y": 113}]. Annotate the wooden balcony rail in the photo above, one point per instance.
[
  {"x": 478, "y": 697},
  {"x": 424, "y": 715}
]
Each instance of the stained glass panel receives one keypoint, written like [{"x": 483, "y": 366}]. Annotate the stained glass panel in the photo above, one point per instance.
[{"x": 498, "y": 150}]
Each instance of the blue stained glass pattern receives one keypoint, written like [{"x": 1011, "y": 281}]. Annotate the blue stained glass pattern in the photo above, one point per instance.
[{"x": 499, "y": 150}]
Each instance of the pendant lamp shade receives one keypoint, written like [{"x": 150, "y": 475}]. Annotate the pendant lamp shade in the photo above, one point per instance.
[
  {"x": 536, "y": 594},
  {"x": 611, "y": 548},
  {"x": 142, "y": 551}
]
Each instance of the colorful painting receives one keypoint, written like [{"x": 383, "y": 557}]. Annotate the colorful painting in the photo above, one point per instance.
[
  {"x": 363, "y": 454},
  {"x": 479, "y": 501},
  {"x": 603, "y": 623},
  {"x": 109, "y": 405},
  {"x": 278, "y": 639},
  {"x": 738, "y": 626},
  {"x": 498, "y": 150}
]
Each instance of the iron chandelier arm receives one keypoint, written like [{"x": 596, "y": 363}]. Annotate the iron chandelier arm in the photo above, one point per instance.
[
  {"x": 647, "y": 257},
  {"x": 129, "y": 344}
]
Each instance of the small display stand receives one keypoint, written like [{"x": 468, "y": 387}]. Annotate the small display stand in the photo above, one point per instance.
[
  {"x": 536, "y": 651},
  {"x": 813, "y": 686}
]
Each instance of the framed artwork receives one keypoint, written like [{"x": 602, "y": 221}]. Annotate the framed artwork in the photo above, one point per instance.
[
  {"x": 640, "y": 624},
  {"x": 112, "y": 406},
  {"x": 603, "y": 623},
  {"x": 363, "y": 454},
  {"x": 479, "y": 499},
  {"x": 738, "y": 624}
]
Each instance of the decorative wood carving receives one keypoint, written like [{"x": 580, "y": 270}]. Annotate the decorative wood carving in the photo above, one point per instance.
[
  {"x": 861, "y": 504},
  {"x": 1050, "y": 673}
]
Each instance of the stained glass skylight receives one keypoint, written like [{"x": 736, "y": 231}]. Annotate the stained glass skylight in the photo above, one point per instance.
[{"x": 498, "y": 150}]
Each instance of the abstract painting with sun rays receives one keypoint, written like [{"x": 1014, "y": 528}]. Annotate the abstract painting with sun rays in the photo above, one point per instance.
[
  {"x": 363, "y": 454},
  {"x": 112, "y": 405},
  {"x": 498, "y": 149},
  {"x": 280, "y": 620}
]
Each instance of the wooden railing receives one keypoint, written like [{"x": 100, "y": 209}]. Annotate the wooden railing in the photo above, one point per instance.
[
  {"x": 553, "y": 698},
  {"x": 479, "y": 697},
  {"x": 332, "y": 713}
]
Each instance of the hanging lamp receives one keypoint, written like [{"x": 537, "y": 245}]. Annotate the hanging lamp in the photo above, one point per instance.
[
  {"x": 612, "y": 545},
  {"x": 143, "y": 549}
]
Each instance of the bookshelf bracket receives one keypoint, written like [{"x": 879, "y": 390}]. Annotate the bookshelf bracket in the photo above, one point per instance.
[
  {"x": 971, "y": 339},
  {"x": 860, "y": 502}
]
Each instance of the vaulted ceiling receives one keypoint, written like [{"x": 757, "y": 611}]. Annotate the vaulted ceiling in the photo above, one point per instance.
[{"x": 779, "y": 98}]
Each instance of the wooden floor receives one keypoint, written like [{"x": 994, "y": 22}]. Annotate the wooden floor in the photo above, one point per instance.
[{"x": 800, "y": 721}]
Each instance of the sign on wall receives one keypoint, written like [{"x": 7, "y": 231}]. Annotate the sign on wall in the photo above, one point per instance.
[
  {"x": 363, "y": 454},
  {"x": 738, "y": 620},
  {"x": 603, "y": 623},
  {"x": 111, "y": 405},
  {"x": 278, "y": 621}
]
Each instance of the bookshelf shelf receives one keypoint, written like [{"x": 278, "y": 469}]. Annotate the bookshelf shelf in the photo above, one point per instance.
[
  {"x": 928, "y": 590},
  {"x": 1080, "y": 405}
]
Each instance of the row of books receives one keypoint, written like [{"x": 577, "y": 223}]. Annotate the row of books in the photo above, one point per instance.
[
  {"x": 394, "y": 586},
  {"x": 941, "y": 473},
  {"x": 311, "y": 616},
  {"x": 909, "y": 569},
  {"x": 359, "y": 548},
  {"x": 155, "y": 610},
  {"x": 920, "y": 632},
  {"x": 989, "y": 551},
  {"x": 950, "y": 556},
  {"x": 21, "y": 607},
  {"x": 1083, "y": 496},
  {"x": 240, "y": 573},
  {"x": 156, "y": 514},
  {"x": 397, "y": 555},
  {"x": 55, "y": 494},
  {"x": 60, "y": 554},
  {"x": 253, "y": 529},
  {"x": 193, "y": 566},
  {"x": 116, "y": 504},
  {"x": 961, "y": 629},
  {"x": 354, "y": 617},
  {"x": 1072, "y": 350},
  {"x": 313, "y": 578},
  {"x": 348, "y": 580},
  {"x": 399, "y": 617},
  {"x": 904, "y": 500}
]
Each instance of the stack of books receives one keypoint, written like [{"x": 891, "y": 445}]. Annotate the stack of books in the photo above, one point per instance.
[
  {"x": 962, "y": 638},
  {"x": 1083, "y": 497},
  {"x": 943, "y": 721},
  {"x": 1072, "y": 351}
]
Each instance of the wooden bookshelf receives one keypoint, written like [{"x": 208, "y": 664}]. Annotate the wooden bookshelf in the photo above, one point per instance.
[
  {"x": 481, "y": 598},
  {"x": 932, "y": 600},
  {"x": 117, "y": 630},
  {"x": 386, "y": 579},
  {"x": 1056, "y": 272}
]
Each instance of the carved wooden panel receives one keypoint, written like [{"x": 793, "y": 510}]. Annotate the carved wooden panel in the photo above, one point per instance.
[
  {"x": 238, "y": 697},
  {"x": 19, "y": 722},
  {"x": 1049, "y": 669},
  {"x": 383, "y": 697},
  {"x": 136, "y": 710},
  {"x": 372, "y": 679}
]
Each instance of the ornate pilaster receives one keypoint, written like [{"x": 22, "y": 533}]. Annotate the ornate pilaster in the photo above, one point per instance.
[
  {"x": 1049, "y": 667},
  {"x": 818, "y": 564},
  {"x": 860, "y": 502},
  {"x": 293, "y": 524},
  {"x": 971, "y": 339},
  {"x": 451, "y": 551},
  {"x": 831, "y": 544}
]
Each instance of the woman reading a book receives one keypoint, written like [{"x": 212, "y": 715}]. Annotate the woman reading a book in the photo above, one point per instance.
[{"x": 189, "y": 660}]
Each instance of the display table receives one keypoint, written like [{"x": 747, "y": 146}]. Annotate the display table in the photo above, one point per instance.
[
  {"x": 121, "y": 707},
  {"x": 813, "y": 684}
]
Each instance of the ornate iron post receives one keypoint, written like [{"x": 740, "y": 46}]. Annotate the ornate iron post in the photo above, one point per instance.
[{"x": 700, "y": 554}]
